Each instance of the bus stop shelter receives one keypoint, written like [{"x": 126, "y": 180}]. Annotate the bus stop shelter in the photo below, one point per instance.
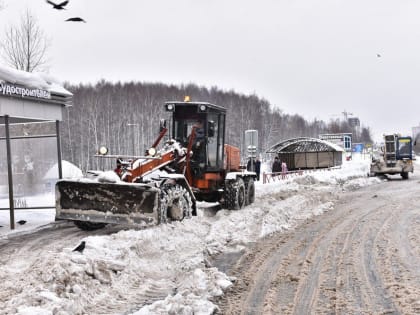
[
  {"x": 308, "y": 153},
  {"x": 31, "y": 107}
]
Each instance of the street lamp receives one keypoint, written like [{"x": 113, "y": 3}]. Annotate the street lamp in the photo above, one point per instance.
[{"x": 135, "y": 134}]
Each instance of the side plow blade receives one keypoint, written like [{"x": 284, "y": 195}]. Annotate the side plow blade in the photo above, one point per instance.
[{"x": 107, "y": 202}]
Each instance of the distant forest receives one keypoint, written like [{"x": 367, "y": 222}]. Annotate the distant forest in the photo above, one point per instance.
[{"x": 125, "y": 117}]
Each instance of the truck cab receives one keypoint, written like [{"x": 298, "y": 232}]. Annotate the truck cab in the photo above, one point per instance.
[{"x": 396, "y": 157}]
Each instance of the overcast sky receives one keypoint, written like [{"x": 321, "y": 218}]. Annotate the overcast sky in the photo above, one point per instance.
[{"x": 316, "y": 58}]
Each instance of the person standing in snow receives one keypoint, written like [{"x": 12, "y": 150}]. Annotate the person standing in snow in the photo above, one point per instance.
[
  {"x": 28, "y": 169},
  {"x": 257, "y": 168},
  {"x": 250, "y": 166},
  {"x": 283, "y": 169},
  {"x": 276, "y": 168}
]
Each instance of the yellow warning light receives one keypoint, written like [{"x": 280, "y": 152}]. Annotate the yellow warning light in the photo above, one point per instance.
[{"x": 186, "y": 98}]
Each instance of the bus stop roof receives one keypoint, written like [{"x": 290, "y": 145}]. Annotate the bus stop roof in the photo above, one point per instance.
[
  {"x": 30, "y": 97},
  {"x": 304, "y": 144}
]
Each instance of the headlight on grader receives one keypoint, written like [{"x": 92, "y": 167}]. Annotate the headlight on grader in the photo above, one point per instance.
[
  {"x": 170, "y": 107},
  {"x": 202, "y": 108},
  {"x": 103, "y": 150},
  {"x": 151, "y": 151}
]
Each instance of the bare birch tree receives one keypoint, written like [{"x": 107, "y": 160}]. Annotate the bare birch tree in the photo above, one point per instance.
[{"x": 25, "y": 45}]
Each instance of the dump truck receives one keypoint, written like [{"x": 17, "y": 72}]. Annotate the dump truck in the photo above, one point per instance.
[
  {"x": 396, "y": 157},
  {"x": 193, "y": 164}
]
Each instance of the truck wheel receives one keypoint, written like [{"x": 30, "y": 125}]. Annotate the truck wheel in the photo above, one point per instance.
[
  {"x": 175, "y": 204},
  {"x": 235, "y": 194},
  {"x": 89, "y": 226},
  {"x": 250, "y": 192},
  {"x": 404, "y": 175}
]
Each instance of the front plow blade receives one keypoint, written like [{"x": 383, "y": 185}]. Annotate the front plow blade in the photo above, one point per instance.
[{"x": 107, "y": 202}]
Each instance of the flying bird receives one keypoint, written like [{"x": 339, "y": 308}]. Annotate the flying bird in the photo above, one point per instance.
[
  {"x": 59, "y": 6},
  {"x": 21, "y": 222},
  {"x": 75, "y": 19},
  {"x": 80, "y": 247},
  {"x": 378, "y": 55}
]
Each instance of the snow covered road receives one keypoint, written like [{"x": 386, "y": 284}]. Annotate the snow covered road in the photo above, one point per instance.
[
  {"x": 361, "y": 258},
  {"x": 160, "y": 270}
]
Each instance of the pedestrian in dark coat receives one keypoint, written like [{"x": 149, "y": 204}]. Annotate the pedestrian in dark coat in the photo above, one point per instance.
[
  {"x": 250, "y": 166},
  {"x": 258, "y": 168},
  {"x": 276, "y": 165}
]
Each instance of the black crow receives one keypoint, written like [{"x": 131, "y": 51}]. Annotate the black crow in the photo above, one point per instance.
[
  {"x": 59, "y": 6},
  {"x": 75, "y": 19},
  {"x": 21, "y": 222},
  {"x": 80, "y": 247}
]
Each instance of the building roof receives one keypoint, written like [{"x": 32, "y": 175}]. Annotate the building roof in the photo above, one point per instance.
[
  {"x": 29, "y": 97},
  {"x": 18, "y": 83},
  {"x": 304, "y": 144}
]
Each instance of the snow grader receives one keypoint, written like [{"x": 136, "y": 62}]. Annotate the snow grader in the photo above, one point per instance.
[{"x": 166, "y": 182}]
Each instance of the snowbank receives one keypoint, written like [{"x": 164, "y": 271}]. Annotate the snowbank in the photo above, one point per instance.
[{"x": 69, "y": 171}]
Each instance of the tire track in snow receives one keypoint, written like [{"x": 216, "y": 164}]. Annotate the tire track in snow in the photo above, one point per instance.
[{"x": 337, "y": 263}]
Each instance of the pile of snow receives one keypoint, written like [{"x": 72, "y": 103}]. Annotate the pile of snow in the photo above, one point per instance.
[
  {"x": 108, "y": 177},
  {"x": 166, "y": 268},
  {"x": 69, "y": 171}
]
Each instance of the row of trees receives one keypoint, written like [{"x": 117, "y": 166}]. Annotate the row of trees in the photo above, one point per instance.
[{"x": 125, "y": 117}]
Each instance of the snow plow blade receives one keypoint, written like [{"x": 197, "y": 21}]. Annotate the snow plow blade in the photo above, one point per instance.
[{"x": 107, "y": 202}]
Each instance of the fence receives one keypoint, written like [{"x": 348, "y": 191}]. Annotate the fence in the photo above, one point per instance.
[{"x": 277, "y": 176}]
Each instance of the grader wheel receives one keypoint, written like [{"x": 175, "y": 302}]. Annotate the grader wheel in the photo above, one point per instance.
[
  {"x": 235, "y": 194},
  {"x": 176, "y": 204},
  {"x": 250, "y": 191}
]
